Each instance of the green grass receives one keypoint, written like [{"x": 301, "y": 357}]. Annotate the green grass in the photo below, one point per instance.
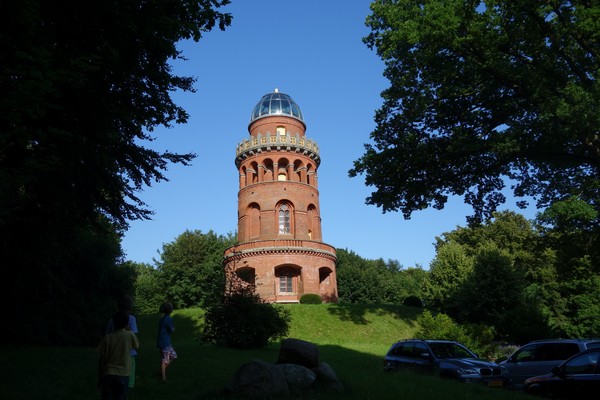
[{"x": 351, "y": 338}]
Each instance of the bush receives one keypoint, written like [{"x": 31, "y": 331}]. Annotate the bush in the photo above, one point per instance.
[
  {"x": 310, "y": 298},
  {"x": 503, "y": 351},
  {"x": 243, "y": 320},
  {"x": 477, "y": 338},
  {"x": 413, "y": 301}
]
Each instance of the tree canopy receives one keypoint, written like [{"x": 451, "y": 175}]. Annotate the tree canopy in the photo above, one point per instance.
[
  {"x": 82, "y": 87},
  {"x": 482, "y": 91},
  {"x": 191, "y": 270},
  {"x": 525, "y": 279}
]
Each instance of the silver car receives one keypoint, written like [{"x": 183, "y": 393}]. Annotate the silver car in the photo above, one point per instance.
[
  {"x": 539, "y": 357},
  {"x": 445, "y": 358}
]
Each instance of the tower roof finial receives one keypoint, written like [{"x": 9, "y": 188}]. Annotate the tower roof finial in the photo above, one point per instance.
[{"x": 276, "y": 90}]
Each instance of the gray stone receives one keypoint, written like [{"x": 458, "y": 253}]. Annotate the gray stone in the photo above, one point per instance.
[
  {"x": 300, "y": 352},
  {"x": 258, "y": 379},
  {"x": 299, "y": 379},
  {"x": 327, "y": 380}
]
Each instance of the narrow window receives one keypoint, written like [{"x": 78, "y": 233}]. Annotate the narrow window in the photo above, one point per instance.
[
  {"x": 281, "y": 130},
  {"x": 286, "y": 283},
  {"x": 284, "y": 219}
]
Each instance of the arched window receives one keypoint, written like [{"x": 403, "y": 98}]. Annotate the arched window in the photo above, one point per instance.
[
  {"x": 298, "y": 171},
  {"x": 312, "y": 223},
  {"x": 282, "y": 167},
  {"x": 268, "y": 164},
  {"x": 254, "y": 173},
  {"x": 287, "y": 280},
  {"x": 253, "y": 220},
  {"x": 284, "y": 219},
  {"x": 310, "y": 175},
  {"x": 247, "y": 275},
  {"x": 324, "y": 274}
]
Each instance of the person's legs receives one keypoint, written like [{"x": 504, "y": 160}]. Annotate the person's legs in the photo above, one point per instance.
[
  {"x": 114, "y": 387},
  {"x": 164, "y": 361},
  {"x": 166, "y": 356},
  {"x": 132, "y": 374},
  {"x": 121, "y": 387}
]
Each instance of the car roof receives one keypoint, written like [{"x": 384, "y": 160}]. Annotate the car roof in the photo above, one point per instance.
[
  {"x": 428, "y": 340},
  {"x": 591, "y": 350},
  {"x": 561, "y": 340}
]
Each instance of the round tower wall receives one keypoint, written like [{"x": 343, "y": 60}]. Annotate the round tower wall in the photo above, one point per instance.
[
  {"x": 269, "y": 125},
  {"x": 258, "y": 204}
]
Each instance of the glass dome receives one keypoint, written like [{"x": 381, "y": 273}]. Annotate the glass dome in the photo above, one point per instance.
[{"x": 276, "y": 104}]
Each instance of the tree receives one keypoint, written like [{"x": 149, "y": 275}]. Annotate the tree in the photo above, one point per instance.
[
  {"x": 481, "y": 91},
  {"x": 375, "y": 281},
  {"x": 149, "y": 295},
  {"x": 357, "y": 283},
  {"x": 83, "y": 85},
  {"x": 190, "y": 268},
  {"x": 530, "y": 279},
  {"x": 492, "y": 290},
  {"x": 569, "y": 227},
  {"x": 447, "y": 273}
]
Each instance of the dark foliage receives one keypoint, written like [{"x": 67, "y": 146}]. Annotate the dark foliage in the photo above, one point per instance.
[
  {"x": 242, "y": 320},
  {"x": 527, "y": 281},
  {"x": 482, "y": 91},
  {"x": 311, "y": 298},
  {"x": 82, "y": 86},
  {"x": 375, "y": 281},
  {"x": 413, "y": 301}
]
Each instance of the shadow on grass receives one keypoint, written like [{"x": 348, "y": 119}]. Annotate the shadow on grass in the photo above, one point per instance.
[
  {"x": 202, "y": 371},
  {"x": 357, "y": 313}
]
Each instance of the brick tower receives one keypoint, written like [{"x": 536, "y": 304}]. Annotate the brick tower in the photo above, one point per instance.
[{"x": 280, "y": 248}]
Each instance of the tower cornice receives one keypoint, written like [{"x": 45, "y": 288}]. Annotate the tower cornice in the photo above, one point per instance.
[
  {"x": 278, "y": 246},
  {"x": 277, "y": 143}
]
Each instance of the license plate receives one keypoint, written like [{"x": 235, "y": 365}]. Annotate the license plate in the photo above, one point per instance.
[{"x": 495, "y": 383}]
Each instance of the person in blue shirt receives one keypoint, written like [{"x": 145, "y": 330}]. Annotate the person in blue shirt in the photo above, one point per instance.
[{"x": 163, "y": 341}]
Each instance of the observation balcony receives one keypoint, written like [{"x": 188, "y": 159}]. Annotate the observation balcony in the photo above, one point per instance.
[{"x": 270, "y": 142}]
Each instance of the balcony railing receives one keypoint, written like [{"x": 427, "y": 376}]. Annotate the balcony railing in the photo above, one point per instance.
[
  {"x": 279, "y": 244},
  {"x": 276, "y": 142}
]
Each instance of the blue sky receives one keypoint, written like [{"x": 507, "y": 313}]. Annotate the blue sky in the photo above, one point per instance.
[{"x": 313, "y": 51}]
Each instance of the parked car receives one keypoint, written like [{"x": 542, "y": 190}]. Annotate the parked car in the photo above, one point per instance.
[
  {"x": 576, "y": 378},
  {"x": 443, "y": 357},
  {"x": 539, "y": 357}
]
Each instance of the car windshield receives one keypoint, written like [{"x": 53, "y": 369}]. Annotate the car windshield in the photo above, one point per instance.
[{"x": 450, "y": 350}]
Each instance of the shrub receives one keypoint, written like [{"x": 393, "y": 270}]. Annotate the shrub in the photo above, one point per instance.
[
  {"x": 243, "y": 320},
  {"x": 310, "y": 298},
  {"x": 413, "y": 301},
  {"x": 477, "y": 338},
  {"x": 503, "y": 351}
]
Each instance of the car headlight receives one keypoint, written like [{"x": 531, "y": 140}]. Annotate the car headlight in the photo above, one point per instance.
[{"x": 468, "y": 371}]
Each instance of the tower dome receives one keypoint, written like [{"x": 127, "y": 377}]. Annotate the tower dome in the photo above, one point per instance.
[{"x": 276, "y": 104}]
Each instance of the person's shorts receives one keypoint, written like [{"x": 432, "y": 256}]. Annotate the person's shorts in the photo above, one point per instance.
[{"x": 167, "y": 354}]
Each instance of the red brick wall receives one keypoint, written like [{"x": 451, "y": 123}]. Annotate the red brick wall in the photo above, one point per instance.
[{"x": 300, "y": 255}]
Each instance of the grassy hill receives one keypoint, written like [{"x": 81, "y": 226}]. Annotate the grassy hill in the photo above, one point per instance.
[{"x": 351, "y": 338}]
